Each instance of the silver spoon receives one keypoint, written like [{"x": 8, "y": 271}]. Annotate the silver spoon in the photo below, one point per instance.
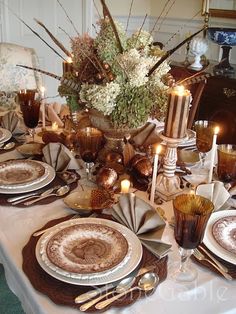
[
  {"x": 60, "y": 192},
  {"x": 8, "y": 146},
  {"x": 147, "y": 282},
  {"x": 123, "y": 286}
]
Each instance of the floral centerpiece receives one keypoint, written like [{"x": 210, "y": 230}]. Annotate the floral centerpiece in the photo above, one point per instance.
[
  {"x": 124, "y": 79},
  {"x": 115, "y": 81}
]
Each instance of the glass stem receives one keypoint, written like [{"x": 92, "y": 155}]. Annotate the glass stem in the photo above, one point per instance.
[
  {"x": 89, "y": 166},
  {"x": 184, "y": 254},
  {"x": 203, "y": 159}
]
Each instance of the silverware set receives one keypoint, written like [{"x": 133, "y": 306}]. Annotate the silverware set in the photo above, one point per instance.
[
  {"x": 211, "y": 260},
  {"x": 148, "y": 281},
  {"x": 37, "y": 196}
]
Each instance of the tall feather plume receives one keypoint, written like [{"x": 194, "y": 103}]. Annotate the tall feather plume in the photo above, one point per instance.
[
  {"x": 107, "y": 13},
  {"x": 130, "y": 10},
  {"x": 69, "y": 83},
  {"x": 71, "y": 22},
  {"x": 33, "y": 31},
  {"x": 171, "y": 51},
  {"x": 55, "y": 40}
]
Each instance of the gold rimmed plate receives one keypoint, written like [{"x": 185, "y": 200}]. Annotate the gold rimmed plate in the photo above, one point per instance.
[
  {"x": 90, "y": 200},
  {"x": 30, "y": 149}
]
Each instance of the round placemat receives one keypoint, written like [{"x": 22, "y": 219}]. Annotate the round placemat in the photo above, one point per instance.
[{"x": 63, "y": 293}]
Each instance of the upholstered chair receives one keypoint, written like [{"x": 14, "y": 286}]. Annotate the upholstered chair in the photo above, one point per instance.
[{"x": 14, "y": 78}]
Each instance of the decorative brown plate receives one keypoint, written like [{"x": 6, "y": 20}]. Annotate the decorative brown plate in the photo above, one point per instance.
[
  {"x": 224, "y": 232},
  {"x": 87, "y": 248},
  {"x": 20, "y": 172},
  {"x": 89, "y": 251}
]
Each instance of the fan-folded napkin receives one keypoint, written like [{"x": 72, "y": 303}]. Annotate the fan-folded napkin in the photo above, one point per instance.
[
  {"x": 148, "y": 135},
  {"x": 143, "y": 220},
  {"x": 215, "y": 192},
  {"x": 59, "y": 157},
  {"x": 12, "y": 122}
]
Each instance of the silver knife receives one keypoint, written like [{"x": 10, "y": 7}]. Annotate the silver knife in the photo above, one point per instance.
[
  {"x": 224, "y": 268},
  {"x": 93, "y": 293}
]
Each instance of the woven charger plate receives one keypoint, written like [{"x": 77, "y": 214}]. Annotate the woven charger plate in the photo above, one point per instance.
[{"x": 63, "y": 293}]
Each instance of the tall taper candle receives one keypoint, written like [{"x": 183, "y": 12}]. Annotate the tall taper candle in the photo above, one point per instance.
[
  {"x": 213, "y": 153},
  {"x": 154, "y": 173},
  {"x": 43, "y": 106},
  {"x": 177, "y": 115}
]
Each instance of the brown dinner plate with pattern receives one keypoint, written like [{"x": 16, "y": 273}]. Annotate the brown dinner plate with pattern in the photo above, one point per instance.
[{"x": 14, "y": 173}]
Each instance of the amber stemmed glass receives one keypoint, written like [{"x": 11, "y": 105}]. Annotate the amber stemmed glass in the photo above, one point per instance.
[
  {"x": 191, "y": 215},
  {"x": 90, "y": 141},
  {"x": 30, "y": 111},
  {"x": 204, "y": 136}
]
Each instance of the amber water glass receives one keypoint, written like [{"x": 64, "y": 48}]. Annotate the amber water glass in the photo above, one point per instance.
[
  {"x": 90, "y": 141},
  {"x": 30, "y": 111},
  {"x": 191, "y": 216},
  {"x": 204, "y": 137},
  {"x": 226, "y": 165}
]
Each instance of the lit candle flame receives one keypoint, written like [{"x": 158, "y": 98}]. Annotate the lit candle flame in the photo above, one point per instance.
[
  {"x": 216, "y": 130},
  {"x": 54, "y": 126},
  {"x": 157, "y": 149},
  {"x": 42, "y": 91},
  {"x": 125, "y": 185},
  {"x": 69, "y": 60},
  {"x": 180, "y": 90}
]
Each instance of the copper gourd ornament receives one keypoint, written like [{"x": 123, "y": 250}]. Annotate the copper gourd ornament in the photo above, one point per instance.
[{"x": 141, "y": 165}]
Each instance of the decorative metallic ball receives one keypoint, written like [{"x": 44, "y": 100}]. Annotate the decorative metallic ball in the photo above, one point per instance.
[
  {"x": 106, "y": 178},
  {"x": 106, "y": 66},
  {"x": 141, "y": 165}
]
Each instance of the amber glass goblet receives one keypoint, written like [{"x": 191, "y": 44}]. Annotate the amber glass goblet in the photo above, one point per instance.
[
  {"x": 204, "y": 136},
  {"x": 191, "y": 215},
  {"x": 226, "y": 166},
  {"x": 90, "y": 141},
  {"x": 30, "y": 111}
]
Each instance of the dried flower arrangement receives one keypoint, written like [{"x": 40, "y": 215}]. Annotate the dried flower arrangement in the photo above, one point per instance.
[{"x": 123, "y": 78}]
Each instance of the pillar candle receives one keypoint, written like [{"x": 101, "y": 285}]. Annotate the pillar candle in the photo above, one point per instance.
[
  {"x": 67, "y": 66},
  {"x": 207, "y": 6},
  {"x": 125, "y": 185},
  {"x": 154, "y": 173},
  {"x": 213, "y": 153},
  {"x": 43, "y": 106},
  {"x": 177, "y": 114}
]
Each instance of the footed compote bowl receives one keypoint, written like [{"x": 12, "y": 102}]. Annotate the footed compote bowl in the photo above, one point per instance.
[{"x": 226, "y": 38}]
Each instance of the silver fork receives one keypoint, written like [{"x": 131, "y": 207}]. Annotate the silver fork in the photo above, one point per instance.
[
  {"x": 201, "y": 257},
  {"x": 224, "y": 268}
]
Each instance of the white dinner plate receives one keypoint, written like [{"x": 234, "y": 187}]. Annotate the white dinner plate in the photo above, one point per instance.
[
  {"x": 210, "y": 241},
  {"x": 5, "y": 135},
  {"x": 124, "y": 268},
  {"x": 38, "y": 185}
]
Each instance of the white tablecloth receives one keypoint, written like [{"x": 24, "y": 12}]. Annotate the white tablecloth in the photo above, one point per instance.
[{"x": 208, "y": 294}]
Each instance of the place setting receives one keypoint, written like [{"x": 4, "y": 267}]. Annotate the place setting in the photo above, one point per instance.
[{"x": 103, "y": 256}]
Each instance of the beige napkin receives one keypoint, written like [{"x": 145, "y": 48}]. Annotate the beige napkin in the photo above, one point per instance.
[
  {"x": 14, "y": 123},
  {"x": 59, "y": 157},
  {"x": 52, "y": 113},
  {"x": 148, "y": 135},
  {"x": 216, "y": 192},
  {"x": 143, "y": 220}
]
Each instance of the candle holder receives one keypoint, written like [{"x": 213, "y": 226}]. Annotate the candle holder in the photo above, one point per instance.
[{"x": 168, "y": 184}]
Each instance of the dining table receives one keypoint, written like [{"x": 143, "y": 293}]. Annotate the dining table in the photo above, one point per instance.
[{"x": 209, "y": 293}]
